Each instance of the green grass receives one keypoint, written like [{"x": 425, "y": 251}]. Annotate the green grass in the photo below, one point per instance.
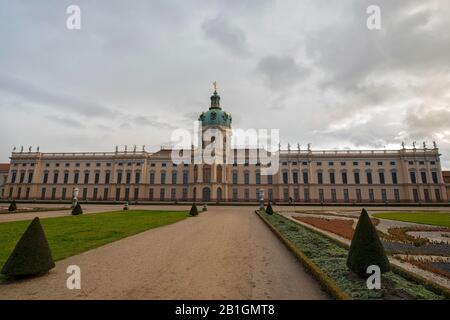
[
  {"x": 71, "y": 235},
  {"x": 431, "y": 218}
]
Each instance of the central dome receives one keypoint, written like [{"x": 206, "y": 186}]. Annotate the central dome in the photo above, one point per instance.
[{"x": 215, "y": 116}]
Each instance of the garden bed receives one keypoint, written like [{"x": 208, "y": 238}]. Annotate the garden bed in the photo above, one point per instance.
[
  {"x": 29, "y": 210},
  {"x": 330, "y": 258}
]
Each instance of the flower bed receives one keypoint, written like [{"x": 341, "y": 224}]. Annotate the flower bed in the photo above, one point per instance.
[
  {"x": 341, "y": 227},
  {"x": 331, "y": 258}
]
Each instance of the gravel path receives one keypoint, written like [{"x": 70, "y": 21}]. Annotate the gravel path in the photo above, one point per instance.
[{"x": 225, "y": 253}]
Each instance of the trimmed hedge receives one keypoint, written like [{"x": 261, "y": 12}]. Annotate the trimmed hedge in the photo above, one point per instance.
[
  {"x": 194, "y": 211},
  {"x": 32, "y": 255},
  {"x": 12, "y": 206}
]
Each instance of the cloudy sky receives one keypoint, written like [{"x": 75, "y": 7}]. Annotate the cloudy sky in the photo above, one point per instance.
[{"x": 139, "y": 69}]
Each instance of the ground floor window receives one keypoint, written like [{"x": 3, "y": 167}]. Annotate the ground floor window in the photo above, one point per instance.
[
  {"x": 150, "y": 194},
  {"x": 270, "y": 194},
  {"x": 162, "y": 194},
  {"x": 306, "y": 195},
  {"x": 235, "y": 194},
  {"x": 63, "y": 194},
  {"x": 136, "y": 194},
  {"x": 127, "y": 194},
  {"x": 19, "y": 191},
  {"x": 53, "y": 193},
  {"x": 84, "y": 193},
  {"x": 397, "y": 195},
  {"x": 247, "y": 195},
  {"x": 437, "y": 194},
  {"x": 383, "y": 195},
  {"x": 321, "y": 195},
  {"x": 185, "y": 194},
  {"x": 416, "y": 195},
  {"x": 285, "y": 194},
  {"x": 94, "y": 196},
  {"x": 358, "y": 195},
  {"x": 333, "y": 195},
  {"x": 105, "y": 194},
  {"x": 371, "y": 195},
  {"x": 27, "y": 193},
  {"x": 173, "y": 194},
  {"x": 296, "y": 195},
  {"x": 426, "y": 195},
  {"x": 117, "y": 194},
  {"x": 346, "y": 197}
]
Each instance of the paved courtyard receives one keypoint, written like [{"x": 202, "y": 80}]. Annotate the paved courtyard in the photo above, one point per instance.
[{"x": 225, "y": 253}]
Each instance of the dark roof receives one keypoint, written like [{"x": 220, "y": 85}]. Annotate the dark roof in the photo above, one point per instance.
[{"x": 4, "y": 167}]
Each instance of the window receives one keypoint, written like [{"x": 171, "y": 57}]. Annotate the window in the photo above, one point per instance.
[
  {"x": 434, "y": 176},
  {"x": 343, "y": 163},
  {"x": 53, "y": 193},
  {"x": 269, "y": 179},
  {"x": 394, "y": 177},
  {"x": 367, "y": 163},
  {"x": 162, "y": 194},
  {"x": 319, "y": 178},
  {"x": 86, "y": 178},
  {"x": 355, "y": 163},
  {"x": 235, "y": 194},
  {"x": 295, "y": 177},
  {"x": 305, "y": 177},
  {"x": 107, "y": 177},
  {"x": 152, "y": 178},
  {"x": 397, "y": 195},
  {"x": 97, "y": 178},
  {"x": 344, "y": 178},
  {"x": 185, "y": 194},
  {"x": 30, "y": 177},
  {"x": 421, "y": 163},
  {"x": 85, "y": 190},
  {"x": 66, "y": 177},
  {"x": 286, "y": 194},
  {"x": 296, "y": 195},
  {"x": 63, "y": 194},
  {"x": 119, "y": 177},
  {"x": 55, "y": 178},
  {"x": 136, "y": 194},
  {"x": 383, "y": 195},
  {"x": 423, "y": 176},
  {"x": 127, "y": 194},
  {"x": 285, "y": 177},
  {"x": 321, "y": 196},
  {"x": 331, "y": 163},
  {"x": 381, "y": 175},
  {"x": 332, "y": 178},
  {"x": 43, "y": 193},
  {"x": 246, "y": 195},
  {"x": 358, "y": 195},
  {"x": 437, "y": 194},
  {"x": 128, "y": 178},
  {"x": 412, "y": 176},
  {"x": 235, "y": 177},
  {"x": 319, "y": 163},
  {"x": 150, "y": 194},
  {"x": 416, "y": 195},
  {"x": 380, "y": 163},
  {"x": 392, "y": 163},
  {"x": 45, "y": 177},
  {"x": 94, "y": 195},
  {"x": 22, "y": 177},
  {"x": 98, "y": 164},
  {"x": 258, "y": 177},
  {"x": 369, "y": 178},
  {"x": 185, "y": 177},
  {"x": 356, "y": 176},
  {"x": 410, "y": 163},
  {"x": 371, "y": 195},
  {"x": 246, "y": 177},
  {"x": 426, "y": 195},
  {"x": 117, "y": 194},
  {"x": 304, "y": 163},
  {"x": 174, "y": 177},
  {"x": 105, "y": 194},
  {"x": 333, "y": 195},
  {"x": 163, "y": 177},
  {"x": 346, "y": 197},
  {"x": 306, "y": 195}
]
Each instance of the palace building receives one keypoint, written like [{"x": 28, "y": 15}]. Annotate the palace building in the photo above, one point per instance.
[{"x": 303, "y": 176}]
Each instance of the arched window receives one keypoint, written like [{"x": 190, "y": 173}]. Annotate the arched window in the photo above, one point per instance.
[{"x": 174, "y": 177}]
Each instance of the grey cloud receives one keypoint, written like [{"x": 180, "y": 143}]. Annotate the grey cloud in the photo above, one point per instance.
[
  {"x": 39, "y": 96},
  {"x": 66, "y": 121},
  {"x": 281, "y": 71},
  {"x": 228, "y": 35},
  {"x": 425, "y": 122}
]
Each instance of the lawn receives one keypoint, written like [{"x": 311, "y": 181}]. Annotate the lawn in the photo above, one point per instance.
[
  {"x": 68, "y": 236},
  {"x": 431, "y": 218}
]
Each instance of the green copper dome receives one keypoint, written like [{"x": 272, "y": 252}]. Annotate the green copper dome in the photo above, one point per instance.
[{"x": 215, "y": 116}]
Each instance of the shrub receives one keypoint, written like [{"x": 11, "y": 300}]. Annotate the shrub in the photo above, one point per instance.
[
  {"x": 205, "y": 208},
  {"x": 77, "y": 209},
  {"x": 12, "y": 206},
  {"x": 125, "y": 206},
  {"x": 194, "y": 211},
  {"x": 366, "y": 248},
  {"x": 269, "y": 209},
  {"x": 32, "y": 255}
]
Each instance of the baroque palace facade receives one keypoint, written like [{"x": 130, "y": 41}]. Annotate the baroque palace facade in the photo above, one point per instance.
[{"x": 304, "y": 176}]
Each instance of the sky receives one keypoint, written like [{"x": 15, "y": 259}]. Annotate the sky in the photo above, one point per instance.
[{"x": 137, "y": 70}]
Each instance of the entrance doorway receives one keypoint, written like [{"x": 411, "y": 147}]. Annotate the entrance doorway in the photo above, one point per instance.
[{"x": 206, "y": 194}]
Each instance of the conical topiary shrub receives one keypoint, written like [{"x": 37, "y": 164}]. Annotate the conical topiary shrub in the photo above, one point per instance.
[
  {"x": 269, "y": 209},
  {"x": 77, "y": 209},
  {"x": 32, "y": 255},
  {"x": 12, "y": 206},
  {"x": 366, "y": 248},
  {"x": 194, "y": 211}
]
